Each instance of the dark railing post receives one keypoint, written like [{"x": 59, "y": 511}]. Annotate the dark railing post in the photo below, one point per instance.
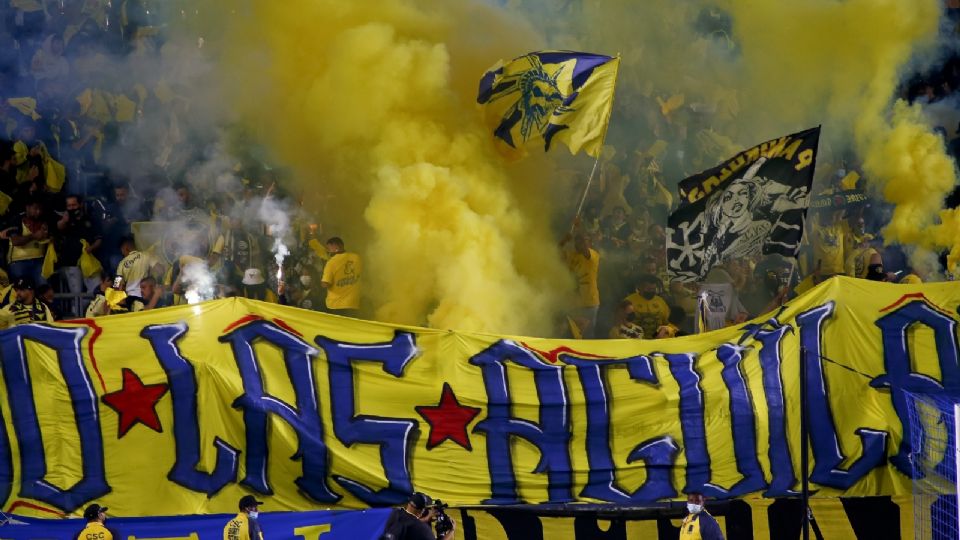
[{"x": 804, "y": 447}]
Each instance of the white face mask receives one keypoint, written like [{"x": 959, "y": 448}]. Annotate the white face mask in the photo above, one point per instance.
[
  {"x": 694, "y": 508},
  {"x": 306, "y": 281},
  {"x": 253, "y": 514}
]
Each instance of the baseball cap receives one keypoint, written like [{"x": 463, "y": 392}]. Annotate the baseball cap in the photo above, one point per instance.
[
  {"x": 249, "y": 500},
  {"x": 22, "y": 284},
  {"x": 93, "y": 511},
  {"x": 420, "y": 500},
  {"x": 252, "y": 276}
]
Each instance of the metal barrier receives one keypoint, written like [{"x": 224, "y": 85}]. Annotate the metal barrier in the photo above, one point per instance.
[{"x": 72, "y": 305}]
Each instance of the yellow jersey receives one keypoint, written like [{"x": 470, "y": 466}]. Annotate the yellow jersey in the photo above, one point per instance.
[
  {"x": 586, "y": 271},
  {"x": 20, "y": 313},
  {"x": 651, "y": 314},
  {"x": 342, "y": 275},
  {"x": 700, "y": 526},
  {"x": 133, "y": 268},
  {"x": 98, "y": 307},
  {"x": 858, "y": 262},
  {"x": 7, "y": 296},
  {"x": 828, "y": 249},
  {"x": 238, "y": 528},
  {"x": 34, "y": 249},
  {"x": 95, "y": 531}
]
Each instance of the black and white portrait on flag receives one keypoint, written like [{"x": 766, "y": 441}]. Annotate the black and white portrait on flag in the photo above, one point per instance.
[{"x": 754, "y": 203}]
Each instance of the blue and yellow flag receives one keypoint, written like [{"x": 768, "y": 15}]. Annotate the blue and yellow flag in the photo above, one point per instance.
[{"x": 550, "y": 95}]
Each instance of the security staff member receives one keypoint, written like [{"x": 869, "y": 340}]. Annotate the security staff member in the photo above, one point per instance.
[
  {"x": 699, "y": 524},
  {"x": 245, "y": 525},
  {"x": 96, "y": 515}
]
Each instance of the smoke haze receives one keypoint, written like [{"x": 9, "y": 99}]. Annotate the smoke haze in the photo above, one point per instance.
[{"x": 371, "y": 107}]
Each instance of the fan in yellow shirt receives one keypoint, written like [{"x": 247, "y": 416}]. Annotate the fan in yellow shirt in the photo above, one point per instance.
[
  {"x": 245, "y": 525},
  {"x": 341, "y": 278},
  {"x": 828, "y": 239},
  {"x": 96, "y": 516},
  {"x": 584, "y": 262},
  {"x": 135, "y": 266},
  {"x": 861, "y": 257},
  {"x": 652, "y": 310}
]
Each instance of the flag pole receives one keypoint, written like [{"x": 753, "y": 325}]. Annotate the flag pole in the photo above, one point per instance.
[
  {"x": 583, "y": 198},
  {"x": 596, "y": 161},
  {"x": 804, "y": 449}
]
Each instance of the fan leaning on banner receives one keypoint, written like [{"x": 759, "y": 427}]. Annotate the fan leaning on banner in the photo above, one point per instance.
[{"x": 752, "y": 204}]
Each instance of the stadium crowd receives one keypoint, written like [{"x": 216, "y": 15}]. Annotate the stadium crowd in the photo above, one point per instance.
[
  {"x": 70, "y": 237},
  {"x": 78, "y": 240},
  {"x": 616, "y": 248}
]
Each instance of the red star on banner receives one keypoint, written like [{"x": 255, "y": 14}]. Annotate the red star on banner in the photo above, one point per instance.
[
  {"x": 448, "y": 420},
  {"x": 136, "y": 402}
]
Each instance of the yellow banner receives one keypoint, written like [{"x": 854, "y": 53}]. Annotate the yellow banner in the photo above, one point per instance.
[{"x": 186, "y": 409}]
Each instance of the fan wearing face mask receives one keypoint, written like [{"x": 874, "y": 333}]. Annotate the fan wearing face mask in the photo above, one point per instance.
[
  {"x": 699, "y": 524},
  {"x": 245, "y": 525}
]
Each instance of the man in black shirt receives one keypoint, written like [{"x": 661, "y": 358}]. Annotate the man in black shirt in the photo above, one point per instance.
[
  {"x": 412, "y": 522},
  {"x": 78, "y": 234}
]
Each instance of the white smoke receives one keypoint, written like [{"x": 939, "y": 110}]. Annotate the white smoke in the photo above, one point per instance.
[
  {"x": 277, "y": 220},
  {"x": 199, "y": 282}
]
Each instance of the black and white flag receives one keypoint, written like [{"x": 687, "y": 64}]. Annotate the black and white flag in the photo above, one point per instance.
[{"x": 753, "y": 203}]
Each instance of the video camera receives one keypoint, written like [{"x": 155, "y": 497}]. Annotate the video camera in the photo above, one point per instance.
[{"x": 444, "y": 523}]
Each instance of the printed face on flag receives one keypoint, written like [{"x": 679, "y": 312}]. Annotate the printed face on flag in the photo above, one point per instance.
[{"x": 752, "y": 204}]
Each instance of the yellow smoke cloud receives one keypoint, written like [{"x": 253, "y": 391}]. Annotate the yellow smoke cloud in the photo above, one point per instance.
[
  {"x": 846, "y": 57},
  {"x": 794, "y": 65},
  {"x": 372, "y": 103}
]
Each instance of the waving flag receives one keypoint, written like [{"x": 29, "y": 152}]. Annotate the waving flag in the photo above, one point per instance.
[
  {"x": 550, "y": 95},
  {"x": 753, "y": 203}
]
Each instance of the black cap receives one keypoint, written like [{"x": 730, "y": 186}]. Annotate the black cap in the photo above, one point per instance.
[
  {"x": 248, "y": 501},
  {"x": 23, "y": 283},
  {"x": 420, "y": 500},
  {"x": 93, "y": 511}
]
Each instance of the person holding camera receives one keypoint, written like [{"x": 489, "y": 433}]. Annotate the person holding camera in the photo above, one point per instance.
[{"x": 412, "y": 521}]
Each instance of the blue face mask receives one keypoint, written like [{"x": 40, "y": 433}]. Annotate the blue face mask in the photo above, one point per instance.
[{"x": 253, "y": 514}]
